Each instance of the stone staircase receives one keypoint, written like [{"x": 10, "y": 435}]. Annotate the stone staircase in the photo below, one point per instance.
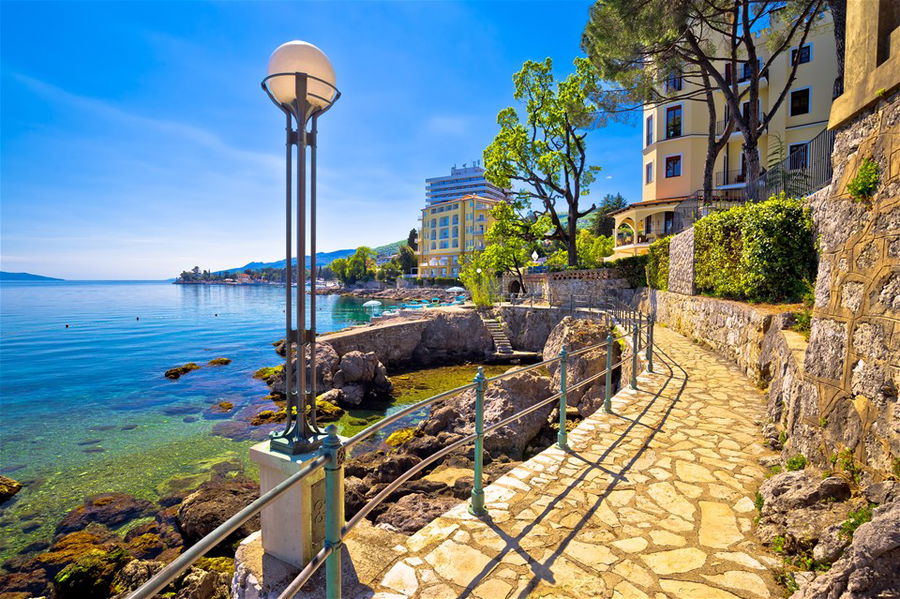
[{"x": 501, "y": 341}]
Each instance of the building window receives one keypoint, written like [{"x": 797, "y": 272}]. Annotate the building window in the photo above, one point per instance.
[
  {"x": 800, "y": 101},
  {"x": 456, "y": 231},
  {"x": 649, "y": 136},
  {"x": 805, "y": 54},
  {"x": 798, "y": 156},
  {"x": 455, "y": 219},
  {"x": 455, "y": 243},
  {"x": 673, "y": 122},
  {"x": 674, "y": 82},
  {"x": 648, "y": 225},
  {"x": 673, "y": 166},
  {"x": 433, "y": 223},
  {"x": 668, "y": 223},
  {"x": 434, "y": 233},
  {"x": 648, "y": 173},
  {"x": 433, "y": 246}
]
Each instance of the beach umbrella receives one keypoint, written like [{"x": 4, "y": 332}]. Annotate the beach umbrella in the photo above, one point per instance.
[
  {"x": 371, "y": 304},
  {"x": 456, "y": 290}
]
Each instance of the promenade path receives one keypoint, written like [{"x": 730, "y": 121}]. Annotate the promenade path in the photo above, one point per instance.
[{"x": 654, "y": 500}]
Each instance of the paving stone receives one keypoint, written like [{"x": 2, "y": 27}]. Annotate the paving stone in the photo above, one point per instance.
[
  {"x": 401, "y": 578},
  {"x": 718, "y": 526},
  {"x": 746, "y": 581},
  {"x": 693, "y": 590},
  {"x": 675, "y": 560},
  {"x": 458, "y": 563},
  {"x": 663, "y": 537}
]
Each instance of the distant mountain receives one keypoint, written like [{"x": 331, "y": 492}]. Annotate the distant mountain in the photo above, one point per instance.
[
  {"x": 24, "y": 276},
  {"x": 322, "y": 258}
]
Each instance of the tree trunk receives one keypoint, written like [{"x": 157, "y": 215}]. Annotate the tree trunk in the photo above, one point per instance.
[
  {"x": 751, "y": 156},
  {"x": 572, "y": 235},
  {"x": 838, "y": 10}
]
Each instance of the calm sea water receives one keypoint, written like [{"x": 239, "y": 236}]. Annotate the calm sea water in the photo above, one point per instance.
[{"x": 86, "y": 409}]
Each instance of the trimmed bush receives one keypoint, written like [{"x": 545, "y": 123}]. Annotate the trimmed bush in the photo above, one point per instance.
[
  {"x": 658, "y": 264},
  {"x": 632, "y": 269},
  {"x": 761, "y": 252}
]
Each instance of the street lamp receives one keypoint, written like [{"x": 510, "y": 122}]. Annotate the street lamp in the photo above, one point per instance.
[
  {"x": 534, "y": 255},
  {"x": 301, "y": 83}
]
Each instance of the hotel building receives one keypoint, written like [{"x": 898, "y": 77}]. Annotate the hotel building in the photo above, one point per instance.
[
  {"x": 454, "y": 220},
  {"x": 675, "y": 138}
]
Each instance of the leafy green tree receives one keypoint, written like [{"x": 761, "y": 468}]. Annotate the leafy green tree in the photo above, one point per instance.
[
  {"x": 592, "y": 249},
  {"x": 602, "y": 223},
  {"x": 702, "y": 41},
  {"x": 512, "y": 238},
  {"x": 412, "y": 240},
  {"x": 407, "y": 259},
  {"x": 546, "y": 152},
  {"x": 480, "y": 278}
]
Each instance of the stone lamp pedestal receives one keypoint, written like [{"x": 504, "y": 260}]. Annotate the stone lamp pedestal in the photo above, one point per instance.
[{"x": 293, "y": 526}]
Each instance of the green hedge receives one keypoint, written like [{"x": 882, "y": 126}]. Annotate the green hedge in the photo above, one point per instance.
[
  {"x": 658, "y": 264},
  {"x": 633, "y": 269},
  {"x": 761, "y": 252}
]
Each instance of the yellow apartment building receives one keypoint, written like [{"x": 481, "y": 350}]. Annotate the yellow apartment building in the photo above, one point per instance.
[
  {"x": 674, "y": 137},
  {"x": 451, "y": 229}
]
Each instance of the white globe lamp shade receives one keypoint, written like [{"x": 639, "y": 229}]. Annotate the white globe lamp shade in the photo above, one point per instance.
[{"x": 301, "y": 57}]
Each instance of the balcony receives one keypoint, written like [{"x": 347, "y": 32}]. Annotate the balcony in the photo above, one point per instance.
[{"x": 736, "y": 177}]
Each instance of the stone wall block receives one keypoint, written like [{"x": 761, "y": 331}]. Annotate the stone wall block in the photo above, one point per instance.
[
  {"x": 827, "y": 349},
  {"x": 681, "y": 263}
]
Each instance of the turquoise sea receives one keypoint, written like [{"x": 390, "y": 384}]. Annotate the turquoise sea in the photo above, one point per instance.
[{"x": 86, "y": 409}]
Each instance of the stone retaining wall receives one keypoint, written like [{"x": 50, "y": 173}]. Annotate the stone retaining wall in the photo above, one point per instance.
[
  {"x": 853, "y": 359},
  {"x": 435, "y": 337},
  {"x": 681, "y": 263}
]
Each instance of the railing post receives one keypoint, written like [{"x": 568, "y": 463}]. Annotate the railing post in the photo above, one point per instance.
[
  {"x": 561, "y": 436},
  {"x": 650, "y": 343},
  {"x": 607, "y": 391},
  {"x": 476, "y": 505},
  {"x": 334, "y": 510},
  {"x": 635, "y": 336}
]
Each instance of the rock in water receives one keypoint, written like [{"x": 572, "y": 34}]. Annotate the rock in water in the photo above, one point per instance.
[
  {"x": 174, "y": 373},
  {"x": 213, "y": 503},
  {"x": 111, "y": 509},
  {"x": 8, "y": 488}
]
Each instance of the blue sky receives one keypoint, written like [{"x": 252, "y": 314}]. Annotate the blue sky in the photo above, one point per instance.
[{"x": 136, "y": 141}]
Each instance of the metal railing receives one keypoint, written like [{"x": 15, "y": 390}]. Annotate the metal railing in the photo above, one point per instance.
[{"x": 632, "y": 327}]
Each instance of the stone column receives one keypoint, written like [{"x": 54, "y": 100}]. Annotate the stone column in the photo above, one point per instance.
[{"x": 293, "y": 526}]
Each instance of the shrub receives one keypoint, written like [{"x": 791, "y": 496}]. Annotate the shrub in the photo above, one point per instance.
[
  {"x": 863, "y": 185},
  {"x": 632, "y": 269},
  {"x": 855, "y": 519},
  {"x": 658, "y": 264},
  {"x": 757, "y": 252},
  {"x": 797, "y": 462}
]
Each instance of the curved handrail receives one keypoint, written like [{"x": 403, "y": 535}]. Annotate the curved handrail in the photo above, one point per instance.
[{"x": 331, "y": 547}]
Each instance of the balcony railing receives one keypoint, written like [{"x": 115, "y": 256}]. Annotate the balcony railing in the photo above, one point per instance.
[
  {"x": 730, "y": 177},
  {"x": 633, "y": 328}
]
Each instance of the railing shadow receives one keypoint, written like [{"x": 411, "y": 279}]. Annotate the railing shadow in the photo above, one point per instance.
[{"x": 542, "y": 569}]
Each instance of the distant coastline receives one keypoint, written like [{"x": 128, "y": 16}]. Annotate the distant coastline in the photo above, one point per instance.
[{"x": 25, "y": 276}]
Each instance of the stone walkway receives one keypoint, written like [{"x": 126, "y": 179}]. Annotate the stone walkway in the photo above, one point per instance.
[{"x": 655, "y": 500}]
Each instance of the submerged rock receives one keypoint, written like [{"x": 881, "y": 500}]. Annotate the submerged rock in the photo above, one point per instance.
[
  {"x": 219, "y": 362},
  {"x": 111, "y": 509},
  {"x": 178, "y": 371},
  {"x": 8, "y": 488},
  {"x": 90, "y": 576}
]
